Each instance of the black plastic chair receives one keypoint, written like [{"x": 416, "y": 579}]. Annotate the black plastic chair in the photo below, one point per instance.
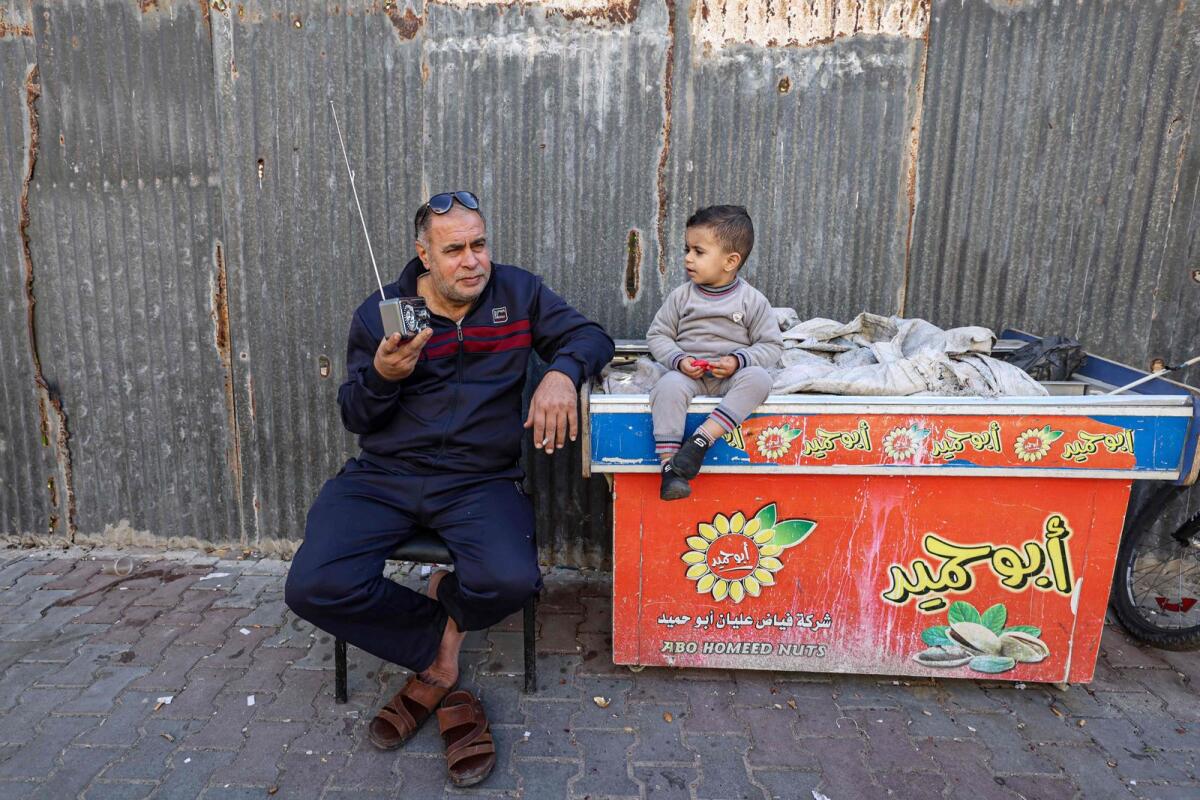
[{"x": 426, "y": 547}]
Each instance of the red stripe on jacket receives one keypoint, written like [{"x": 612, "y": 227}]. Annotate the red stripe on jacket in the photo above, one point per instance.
[
  {"x": 479, "y": 332},
  {"x": 442, "y": 350},
  {"x": 499, "y": 345},
  {"x": 441, "y": 337},
  {"x": 494, "y": 332},
  {"x": 510, "y": 341}
]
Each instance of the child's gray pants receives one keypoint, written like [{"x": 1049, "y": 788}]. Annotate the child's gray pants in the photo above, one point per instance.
[{"x": 741, "y": 393}]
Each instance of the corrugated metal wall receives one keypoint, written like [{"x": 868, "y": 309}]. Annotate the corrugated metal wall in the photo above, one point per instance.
[
  {"x": 196, "y": 256},
  {"x": 27, "y": 468},
  {"x": 124, "y": 211},
  {"x": 1059, "y": 169}
]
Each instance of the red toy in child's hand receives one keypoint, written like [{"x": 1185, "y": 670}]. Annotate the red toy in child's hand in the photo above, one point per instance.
[{"x": 702, "y": 364}]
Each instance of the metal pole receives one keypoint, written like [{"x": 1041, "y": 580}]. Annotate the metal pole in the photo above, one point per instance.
[{"x": 1154, "y": 375}]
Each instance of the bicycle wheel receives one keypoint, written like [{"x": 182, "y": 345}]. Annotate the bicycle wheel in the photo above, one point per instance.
[{"x": 1156, "y": 595}]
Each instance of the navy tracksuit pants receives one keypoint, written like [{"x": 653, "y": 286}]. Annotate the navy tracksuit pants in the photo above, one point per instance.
[{"x": 336, "y": 580}]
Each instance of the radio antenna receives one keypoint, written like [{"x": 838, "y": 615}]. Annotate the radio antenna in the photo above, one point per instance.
[{"x": 361, "y": 218}]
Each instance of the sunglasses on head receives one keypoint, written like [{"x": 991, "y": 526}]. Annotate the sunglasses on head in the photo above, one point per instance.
[{"x": 441, "y": 203}]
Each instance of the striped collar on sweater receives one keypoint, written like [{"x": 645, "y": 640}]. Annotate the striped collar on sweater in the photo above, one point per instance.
[{"x": 719, "y": 291}]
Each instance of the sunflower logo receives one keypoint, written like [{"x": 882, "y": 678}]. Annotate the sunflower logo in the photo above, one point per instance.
[
  {"x": 734, "y": 557},
  {"x": 1034, "y": 444},
  {"x": 902, "y": 444},
  {"x": 776, "y": 440}
]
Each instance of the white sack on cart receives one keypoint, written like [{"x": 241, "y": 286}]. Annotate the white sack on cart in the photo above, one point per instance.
[
  {"x": 870, "y": 355},
  {"x": 638, "y": 379},
  {"x": 786, "y": 317},
  {"x": 876, "y": 355}
]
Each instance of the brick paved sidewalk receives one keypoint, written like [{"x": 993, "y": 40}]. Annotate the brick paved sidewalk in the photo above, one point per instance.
[{"x": 86, "y": 658}]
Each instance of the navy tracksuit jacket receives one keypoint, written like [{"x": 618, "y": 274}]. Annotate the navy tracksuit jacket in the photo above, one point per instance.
[
  {"x": 460, "y": 409},
  {"x": 439, "y": 450}
]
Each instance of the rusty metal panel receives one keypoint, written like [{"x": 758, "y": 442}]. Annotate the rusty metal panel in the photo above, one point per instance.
[
  {"x": 559, "y": 119},
  {"x": 197, "y": 256},
  {"x": 1058, "y": 173},
  {"x": 557, "y": 124},
  {"x": 815, "y": 143},
  {"x": 595, "y": 143},
  {"x": 535, "y": 112},
  {"x": 127, "y": 270},
  {"x": 805, "y": 24},
  {"x": 556, "y": 121},
  {"x": 296, "y": 260},
  {"x": 28, "y": 469}
]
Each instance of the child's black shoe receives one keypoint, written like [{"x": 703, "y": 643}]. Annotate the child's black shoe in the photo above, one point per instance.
[
  {"x": 673, "y": 486},
  {"x": 689, "y": 458}
]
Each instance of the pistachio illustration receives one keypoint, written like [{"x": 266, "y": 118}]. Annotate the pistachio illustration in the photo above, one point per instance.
[
  {"x": 943, "y": 657},
  {"x": 974, "y": 637},
  {"x": 1022, "y": 647},
  {"x": 982, "y": 642},
  {"x": 991, "y": 664}
]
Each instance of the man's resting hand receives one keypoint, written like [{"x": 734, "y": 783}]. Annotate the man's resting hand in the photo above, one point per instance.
[
  {"x": 552, "y": 412},
  {"x": 396, "y": 358}
]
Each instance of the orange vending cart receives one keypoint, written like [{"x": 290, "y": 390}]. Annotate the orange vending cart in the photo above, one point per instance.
[{"x": 920, "y": 536}]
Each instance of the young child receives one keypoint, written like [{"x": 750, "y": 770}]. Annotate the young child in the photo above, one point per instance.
[{"x": 718, "y": 335}]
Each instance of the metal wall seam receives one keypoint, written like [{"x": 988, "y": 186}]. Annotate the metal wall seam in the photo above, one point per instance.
[{"x": 27, "y": 466}]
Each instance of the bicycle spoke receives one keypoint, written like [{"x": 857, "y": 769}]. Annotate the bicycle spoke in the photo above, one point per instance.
[
  {"x": 1146, "y": 580},
  {"x": 1155, "y": 580},
  {"x": 1158, "y": 582}
]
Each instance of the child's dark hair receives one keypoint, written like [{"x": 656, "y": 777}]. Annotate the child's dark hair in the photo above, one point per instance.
[{"x": 730, "y": 225}]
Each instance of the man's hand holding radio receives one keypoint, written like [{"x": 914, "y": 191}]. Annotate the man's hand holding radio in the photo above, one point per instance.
[{"x": 396, "y": 358}]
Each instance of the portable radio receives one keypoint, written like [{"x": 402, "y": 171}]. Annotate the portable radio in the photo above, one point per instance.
[{"x": 404, "y": 315}]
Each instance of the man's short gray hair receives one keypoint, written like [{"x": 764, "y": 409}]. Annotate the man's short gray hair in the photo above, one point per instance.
[{"x": 424, "y": 216}]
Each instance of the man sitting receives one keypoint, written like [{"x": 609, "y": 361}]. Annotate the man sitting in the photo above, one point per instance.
[{"x": 439, "y": 423}]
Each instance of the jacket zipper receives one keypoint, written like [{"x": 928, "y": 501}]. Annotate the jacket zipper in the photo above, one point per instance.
[
  {"x": 459, "y": 370},
  {"x": 457, "y": 389}
]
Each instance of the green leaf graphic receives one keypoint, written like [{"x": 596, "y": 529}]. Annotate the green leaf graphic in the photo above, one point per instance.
[
  {"x": 994, "y": 618},
  {"x": 936, "y": 636},
  {"x": 791, "y": 532},
  {"x": 1032, "y": 630},
  {"x": 1053, "y": 435},
  {"x": 766, "y": 517},
  {"x": 791, "y": 433},
  {"x": 961, "y": 611}
]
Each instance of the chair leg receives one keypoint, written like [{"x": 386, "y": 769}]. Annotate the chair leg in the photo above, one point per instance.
[
  {"x": 530, "y": 627},
  {"x": 339, "y": 670}
]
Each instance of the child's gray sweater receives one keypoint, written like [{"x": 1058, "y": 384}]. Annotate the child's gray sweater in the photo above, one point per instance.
[{"x": 694, "y": 322}]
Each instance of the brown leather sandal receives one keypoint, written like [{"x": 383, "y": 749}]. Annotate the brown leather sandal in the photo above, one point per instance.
[
  {"x": 399, "y": 719},
  {"x": 470, "y": 751}
]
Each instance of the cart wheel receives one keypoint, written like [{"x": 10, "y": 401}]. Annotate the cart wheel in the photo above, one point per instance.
[
  {"x": 636, "y": 667},
  {"x": 1156, "y": 590}
]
